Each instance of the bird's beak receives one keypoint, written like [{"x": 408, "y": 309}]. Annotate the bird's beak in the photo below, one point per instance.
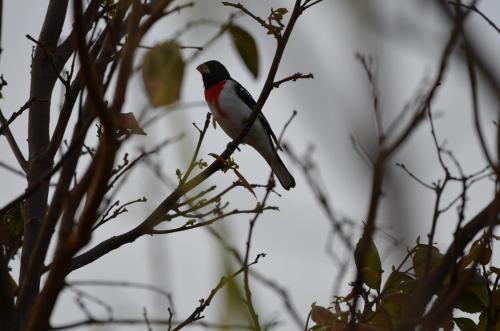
[{"x": 203, "y": 69}]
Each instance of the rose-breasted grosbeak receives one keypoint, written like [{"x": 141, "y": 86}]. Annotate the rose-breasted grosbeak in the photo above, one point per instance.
[{"x": 231, "y": 105}]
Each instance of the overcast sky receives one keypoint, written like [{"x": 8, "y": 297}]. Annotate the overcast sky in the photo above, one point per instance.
[{"x": 404, "y": 37}]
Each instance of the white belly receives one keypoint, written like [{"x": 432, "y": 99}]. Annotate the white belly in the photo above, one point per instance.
[{"x": 233, "y": 114}]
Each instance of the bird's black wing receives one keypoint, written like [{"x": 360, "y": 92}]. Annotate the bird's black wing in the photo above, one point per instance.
[{"x": 250, "y": 102}]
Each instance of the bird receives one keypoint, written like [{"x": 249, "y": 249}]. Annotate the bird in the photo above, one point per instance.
[{"x": 231, "y": 105}]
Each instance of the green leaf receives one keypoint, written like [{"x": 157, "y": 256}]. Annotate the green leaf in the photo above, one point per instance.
[
  {"x": 470, "y": 303},
  {"x": 475, "y": 297},
  {"x": 482, "y": 256},
  {"x": 478, "y": 286},
  {"x": 465, "y": 324},
  {"x": 162, "y": 73},
  {"x": 399, "y": 282},
  {"x": 246, "y": 47},
  {"x": 14, "y": 220},
  {"x": 393, "y": 304},
  {"x": 11, "y": 230},
  {"x": 380, "y": 319},
  {"x": 420, "y": 259},
  {"x": 371, "y": 267}
]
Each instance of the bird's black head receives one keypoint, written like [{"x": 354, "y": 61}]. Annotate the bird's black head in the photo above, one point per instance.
[{"x": 212, "y": 72}]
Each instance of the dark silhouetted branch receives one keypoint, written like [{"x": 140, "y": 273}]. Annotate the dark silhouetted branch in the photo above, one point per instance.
[{"x": 293, "y": 78}]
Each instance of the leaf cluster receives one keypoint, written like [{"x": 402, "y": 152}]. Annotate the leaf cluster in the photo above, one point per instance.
[{"x": 475, "y": 281}]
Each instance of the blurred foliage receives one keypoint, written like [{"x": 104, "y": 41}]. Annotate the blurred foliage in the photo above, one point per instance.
[
  {"x": 371, "y": 268},
  {"x": 127, "y": 124},
  {"x": 162, "y": 73},
  {"x": 246, "y": 47},
  {"x": 382, "y": 309},
  {"x": 233, "y": 309},
  {"x": 11, "y": 230}
]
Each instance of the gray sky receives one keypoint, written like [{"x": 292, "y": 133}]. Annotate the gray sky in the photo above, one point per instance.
[{"x": 404, "y": 37}]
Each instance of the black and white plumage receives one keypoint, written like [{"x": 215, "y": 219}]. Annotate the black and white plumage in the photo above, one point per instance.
[{"x": 231, "y": 106}]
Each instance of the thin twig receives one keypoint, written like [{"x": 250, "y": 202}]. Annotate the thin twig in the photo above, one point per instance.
[
  {"x": 140, "y": 321},
  {"x": 367, "y": 64},
  {"x": 204, "y": 303},
  {"x": 14, "y": 115},
  {"x": 270, "y": 283},
  {"x": 418, "y": 180},
  {"x": 192, "y": 164},
  {"x": 293, "y": 78},
  {"x": 118, "y": 211},
  {"x": 476, "y": 10},
  {"x": 42, "y": 179},
  {"x": 189, "y": 225},
  {"x": 50, "y": 56},
  {"x": 309, "y": 4},
  {"x": 123, "y": 284},
  {"x": 248, "y": 12},
  {"x": 169, "y": 202},
  {"x": 13, "y": 144},
  {"x": 12, "y": 169}
]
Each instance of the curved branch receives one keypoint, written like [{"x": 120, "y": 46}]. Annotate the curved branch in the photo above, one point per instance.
[{"x": 169, "y": 202}]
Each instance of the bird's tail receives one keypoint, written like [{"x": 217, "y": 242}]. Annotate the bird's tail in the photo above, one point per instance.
[{"x": 284, "y": 176}]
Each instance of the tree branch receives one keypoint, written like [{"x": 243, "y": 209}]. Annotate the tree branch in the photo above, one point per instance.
[
  {"x": 168, "y": 203},
  {"x": 412, "y": 313},
  {"x": 12, "y": 142},
  {"x": 480, "y": 13},
  {"x": 204, "y": 303},
  {"x": 293, "y": 78},
  {"x": 43, "y": 79},
  {"x": 14, "y": 115}
]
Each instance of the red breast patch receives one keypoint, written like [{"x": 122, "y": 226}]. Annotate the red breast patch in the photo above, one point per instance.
[{"x": 212, "y": 97}]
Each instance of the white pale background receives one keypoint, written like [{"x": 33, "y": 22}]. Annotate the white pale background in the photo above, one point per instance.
[{"x": 404, "y": 38}]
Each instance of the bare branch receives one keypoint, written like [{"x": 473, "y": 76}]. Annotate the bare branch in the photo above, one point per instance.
[
  {"x": 189, "y": 226},
  {"x": 140, "y": 321},
  {"x": 367, "y": 63},
  {"x": 204, "y": 303},
  {"x": 117, "y": 212},
  {"x": 50, "y": 56},
  {"x": 418, "y": 180},
  {"x": 475, "y": 109},
  {"x": 315, "y": 183},
  {"x": 124, "y": 284},
  {"x": 475, "y": 9},
  {"x": 293, "y": 78},
  {"x": 419, "y": 115},
  {"x": 273, "y": 285},
  {"x": 14, "y": 115},
  {"x": 197, "y": 149},
  {"x": 44, "y": 178},
  {"x": 249, "y": 13},
  {"x": 13, "y": 144},
  {"x": 12, "y": 169},
  {"x": 89, "y": 75},
  {"x": 307, "y": 4},
  {"x": 43, "y": 79},
  {"x": 168, "y": 203}
]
